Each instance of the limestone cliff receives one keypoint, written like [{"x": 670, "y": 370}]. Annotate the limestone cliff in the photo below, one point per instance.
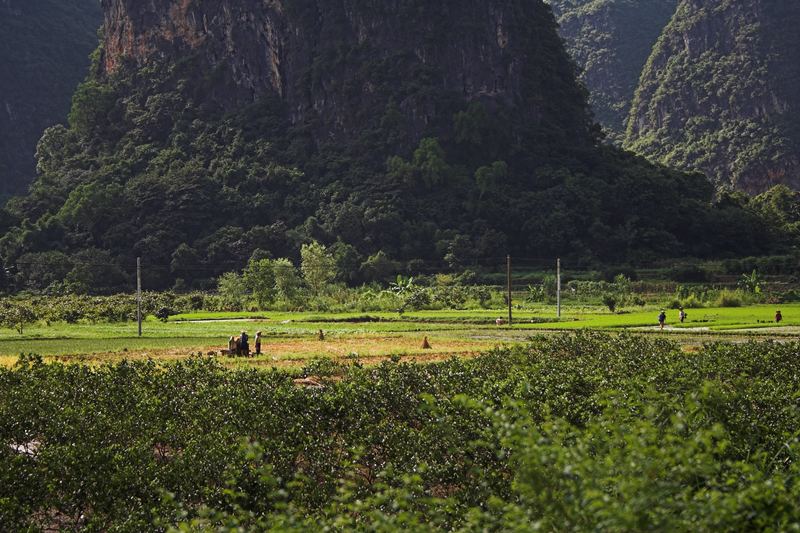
[
  {"x": 720, "y": 94},
  {"x": 334, "y": 62}
]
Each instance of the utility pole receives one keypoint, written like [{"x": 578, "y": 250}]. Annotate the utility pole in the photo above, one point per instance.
[
  {"x": 508, "y": 281},
  {"x": 558, "y": 288},
  {"x": 139, "y": 293}
]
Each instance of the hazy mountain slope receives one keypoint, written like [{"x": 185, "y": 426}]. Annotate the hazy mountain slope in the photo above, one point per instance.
[
  {"x": 610, "y": 40},
  {"x": 720, "y": 94},
  {"x": 44, "y": 53}
]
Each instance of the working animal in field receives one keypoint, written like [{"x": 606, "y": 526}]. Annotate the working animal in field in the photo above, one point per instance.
[
  {"x": 236, "y": 348},
  {"x": 233, "y": 346}
]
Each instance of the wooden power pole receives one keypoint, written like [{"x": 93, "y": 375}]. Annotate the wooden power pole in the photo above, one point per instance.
[
  {"x": 139, "y": 293},
  {"x": 558, "y": 288},
  {"x": 508, "y": 281}
]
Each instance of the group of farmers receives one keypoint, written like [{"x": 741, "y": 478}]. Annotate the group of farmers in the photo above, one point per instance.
[
  {"x": 240, "y": 346},
  {"x": 662, "y": 317}
]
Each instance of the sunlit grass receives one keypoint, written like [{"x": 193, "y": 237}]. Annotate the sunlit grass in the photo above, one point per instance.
[{"x": 715, "y": 319}]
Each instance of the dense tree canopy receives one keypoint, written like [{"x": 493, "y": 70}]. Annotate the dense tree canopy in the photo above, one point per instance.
[
  {"x": 152, "y": 165},
  {"x": 719, "y": 94}
]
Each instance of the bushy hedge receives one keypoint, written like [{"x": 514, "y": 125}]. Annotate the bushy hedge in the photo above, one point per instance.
[
  {"x": 122, "y": 307},
  {"x": 117, "y": 308},
  {"x": 577, "y": 432}
]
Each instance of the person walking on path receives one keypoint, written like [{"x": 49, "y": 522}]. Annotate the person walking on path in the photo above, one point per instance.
[
  {"x": 258, "y": 343},
  {"x": 662, "y": 319}
]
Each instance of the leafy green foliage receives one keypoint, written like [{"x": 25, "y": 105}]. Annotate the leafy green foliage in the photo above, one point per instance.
[
  {"x": 16, "y": 315},
  {"x": 751, "y": 282},
  {"x": 582, "y": 431},
  {"x": 71, "y": 308},
  {"x": 232, "y": 288},
  {"x": 728, "y": 108},
  {"x": 379, "y": 267},
  {"x": 610, "y": 301},
  {"x": 157, "y": 164},
  {"x": 781, "y": 206},
  {"x": 318, "y": 267},
  {"x": 488, "y": 177},
  {"x": 287, "y": 281},
  {"x": 259, "y": 278}
]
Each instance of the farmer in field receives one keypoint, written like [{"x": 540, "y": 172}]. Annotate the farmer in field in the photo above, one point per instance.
[
  {"x": 258, "y": 343},
  {"x": 682, "y": 315},
  {"x": 662, "y": 319},
  {"x": 778, "y": 317},
  {"x": 243, "y": 344}
]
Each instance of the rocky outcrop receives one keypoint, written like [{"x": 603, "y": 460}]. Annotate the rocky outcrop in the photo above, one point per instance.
[
  {"x": 44, "y": 54},
  {"x": 610, "y": 40},
  {"x": 720, "y": 94},
  {"x": 331, "y": 61}
]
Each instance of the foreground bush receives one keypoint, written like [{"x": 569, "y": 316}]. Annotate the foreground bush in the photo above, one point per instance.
[{"x": 579, "y": 432}]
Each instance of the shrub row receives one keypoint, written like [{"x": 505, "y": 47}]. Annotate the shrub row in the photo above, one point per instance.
[{"x": 579, "y": 432}]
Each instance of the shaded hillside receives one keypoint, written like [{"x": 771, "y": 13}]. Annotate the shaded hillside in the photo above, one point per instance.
[
  {"x": 610, "y": 40},
  {"x": 44, "y": 53},
  {"x": 720, "y": 94},
  {"x": 421, "y": 130}
]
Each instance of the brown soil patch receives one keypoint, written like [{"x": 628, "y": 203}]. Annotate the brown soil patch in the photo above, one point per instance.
[
  {"x": 371, "y": 360},
  {"x": 297, "y": 354}
]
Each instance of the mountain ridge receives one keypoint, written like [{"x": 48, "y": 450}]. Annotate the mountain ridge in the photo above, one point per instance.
[
  {"x": 489, "y": 65},
  {"x": 719, "y": 94},
  {"x": 207, "y": 133}
]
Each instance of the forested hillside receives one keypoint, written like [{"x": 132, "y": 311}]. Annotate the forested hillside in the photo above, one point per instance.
[
  {"x": 410, "y": 131},
  {"x": 44, "y": 54},
  {"x": 720, "y": 94},
  {"x": 610, "y": 40}
]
